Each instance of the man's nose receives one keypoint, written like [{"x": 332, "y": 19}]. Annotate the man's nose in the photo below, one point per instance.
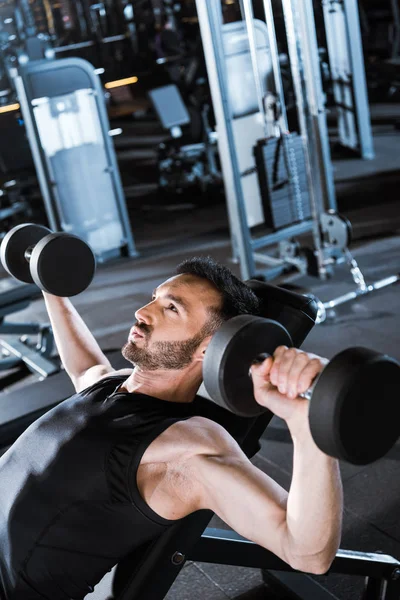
[{"x": 142, "y": 315}]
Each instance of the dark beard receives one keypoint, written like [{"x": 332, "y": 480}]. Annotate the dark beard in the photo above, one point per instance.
[{"x": 165, "y": 355}]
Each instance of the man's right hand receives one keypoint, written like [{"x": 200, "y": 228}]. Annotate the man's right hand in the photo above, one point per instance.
[{"x": 280, "y": 379}]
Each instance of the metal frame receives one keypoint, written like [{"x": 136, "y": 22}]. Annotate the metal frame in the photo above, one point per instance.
[
  {"x": 210, "y": 22},
  {"x": 227, "y": 547},
  {"x": 303, "y": 53},
  {"x": 13, "y": 350},
  {"x": 303, "y": 50},
  {"x": 343, "y": 33},
  {"x": 168, "y": 555},
  {"x": 25, "y": 95}
]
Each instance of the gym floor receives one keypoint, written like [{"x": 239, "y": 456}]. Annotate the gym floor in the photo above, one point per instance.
[{"x": 367, "y": 194}]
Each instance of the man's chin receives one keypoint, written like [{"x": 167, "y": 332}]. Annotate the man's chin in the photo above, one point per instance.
[
  {"x": 128, "y": 352},
  {"x": 136, "y": 357}
]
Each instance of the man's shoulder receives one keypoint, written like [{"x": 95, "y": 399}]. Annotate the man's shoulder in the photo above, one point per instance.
[
  {"x": 177, "y": 461},
  {"x": 197, "y": 436}
]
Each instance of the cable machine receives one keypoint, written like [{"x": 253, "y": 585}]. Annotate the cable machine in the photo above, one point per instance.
[{"x": 299, "y": 183}]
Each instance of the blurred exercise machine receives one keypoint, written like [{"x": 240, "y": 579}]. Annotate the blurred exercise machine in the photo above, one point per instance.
[
  {"x": 17, "y": 347},
  {"x": 273, "y": 177},
  {"x": 66, "y": 122},
  {"x": 182, "y": 165}
]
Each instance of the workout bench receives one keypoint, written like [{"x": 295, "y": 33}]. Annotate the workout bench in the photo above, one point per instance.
[
  {"x": 149, "y": 572},
  {"x": 16, "y": 296}
]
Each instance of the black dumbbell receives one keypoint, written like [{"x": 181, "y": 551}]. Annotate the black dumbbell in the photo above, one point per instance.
[
  {"x": 355, "y": 402},
  {"x": 59, "y": 263}
]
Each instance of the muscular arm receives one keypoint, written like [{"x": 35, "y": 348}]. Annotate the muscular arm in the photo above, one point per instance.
[
  {"x": 315, "y": 501},
  {"x": 77, "y": 347},
  {"x": 302, "y": 527}
]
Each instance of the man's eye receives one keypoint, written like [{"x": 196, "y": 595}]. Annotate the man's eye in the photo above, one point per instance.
[{"x": 172, "y": 307}]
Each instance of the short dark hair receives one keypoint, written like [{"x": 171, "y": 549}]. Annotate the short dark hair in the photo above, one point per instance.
[{"x": 237, "y": 297}]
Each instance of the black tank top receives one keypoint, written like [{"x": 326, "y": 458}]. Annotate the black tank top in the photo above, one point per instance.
[{"x": 69, "y": 504}]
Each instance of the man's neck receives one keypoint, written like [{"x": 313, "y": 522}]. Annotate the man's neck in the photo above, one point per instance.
[{"x": 171, "y": 386}]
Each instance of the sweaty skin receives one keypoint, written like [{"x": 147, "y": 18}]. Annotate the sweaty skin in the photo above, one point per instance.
[{"x": 196, "y": 464}]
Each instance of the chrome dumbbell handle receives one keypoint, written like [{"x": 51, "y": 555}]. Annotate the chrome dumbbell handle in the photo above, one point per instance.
[{"x": 308, "y": 394}]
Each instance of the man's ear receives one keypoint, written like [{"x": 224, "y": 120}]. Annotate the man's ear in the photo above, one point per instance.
[{"x": 201, "y": 351}]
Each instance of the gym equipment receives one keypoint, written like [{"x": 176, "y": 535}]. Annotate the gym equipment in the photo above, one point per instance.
[
  {"x": 296, "y": 196},
  {"x": 343, "y": 417},
  {"x": 17, "y": 346},
  {"x": 59, "y": 263},
  {"x": 326, "y": 310},
  {"x": 346, "y": 59},
  {"x": 63, "y": 108},
  {"x": 239, "y": 132},
  {"x": 193, "y": 540},
  {"x": 180, "y": 164},
  {"x": 282, "y": 175}
]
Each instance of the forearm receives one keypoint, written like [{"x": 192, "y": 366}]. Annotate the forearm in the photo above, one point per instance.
[
  {"x": 76, "y": 345},
  {"x": 315, "y": 501}
]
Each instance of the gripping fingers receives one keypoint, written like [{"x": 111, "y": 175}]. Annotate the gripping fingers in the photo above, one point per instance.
[
  {"x": 283, "y": 360},
  {"x": 298, "y": 374},
  {"x": 277, "y": 356},
  {"x": 294, "y": 371},
  {"x": 309, "y": 373}
]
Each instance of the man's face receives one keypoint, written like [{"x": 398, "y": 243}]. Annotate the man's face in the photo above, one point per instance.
[{"x": 170, "y": 329}]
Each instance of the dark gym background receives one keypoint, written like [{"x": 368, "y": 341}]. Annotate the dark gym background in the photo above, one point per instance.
[{"x": 173, "y": 221}]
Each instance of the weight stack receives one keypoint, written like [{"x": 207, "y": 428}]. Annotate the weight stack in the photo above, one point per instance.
[{"x": 282, "y": 177}]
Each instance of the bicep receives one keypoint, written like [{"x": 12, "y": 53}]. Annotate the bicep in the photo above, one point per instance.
[{"x": 245, "y": 498}]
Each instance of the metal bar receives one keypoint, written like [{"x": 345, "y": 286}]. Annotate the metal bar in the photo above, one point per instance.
[
  {"x": 247, "y": 11},
  {"x": 7, "y": 328},
  {"x": 360, "y": 90},
  {"x": 316, "y": 101},
  {"x": 291, "y": 16},
  {"x": 373, "y": 287},
  {"x": 228, "y": 547},
  {"x": 89, "y": 43},
  {"x": 268, "y": 260},
  {"x": 276, "y": 67},
  {"x": 210, "y": 22},
  {"x": 113, "y": 166},
  {"x": 71, "y": 47},
  {"x": 6, "y": 213},
  {"x": 35, "y": 361},
  {"x": 114, "y": 38},
  {"x": 284, "y": 234},
  {"x": 36, "y": 151},
  {"x": 373, "y": 589}
]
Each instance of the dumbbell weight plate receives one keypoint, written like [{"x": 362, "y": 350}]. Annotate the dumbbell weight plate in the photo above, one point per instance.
[
  {"x": 229, "y": 356},
  {"x": 355, "y": 408},
  {"x": 62, "y": 264},
  {"x": 14, "y": 246}
]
